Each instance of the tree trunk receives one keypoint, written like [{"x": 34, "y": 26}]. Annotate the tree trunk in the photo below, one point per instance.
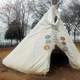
[
  {"x": 11, "y": 42},
  {"x": 17, "y": 41},
  {"x": 69, "y": 31},
  {"x": 75, "y": 35}
]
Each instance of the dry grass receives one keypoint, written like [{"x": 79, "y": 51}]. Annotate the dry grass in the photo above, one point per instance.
[
  {"x": 78, "y": 46},
  {"x": 4, "y": 52}
]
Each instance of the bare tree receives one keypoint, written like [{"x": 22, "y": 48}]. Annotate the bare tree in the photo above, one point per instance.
[
  {"x": 6, "y": 13},
  {"x": 71, "y": 17},
  {"x": 38, "y": 11}
]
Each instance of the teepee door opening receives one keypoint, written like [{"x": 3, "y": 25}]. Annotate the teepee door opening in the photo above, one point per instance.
[{"x": 58, "y": 57}]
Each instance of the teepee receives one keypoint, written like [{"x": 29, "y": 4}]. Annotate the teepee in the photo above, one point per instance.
[{"x": 32, "y": 55}]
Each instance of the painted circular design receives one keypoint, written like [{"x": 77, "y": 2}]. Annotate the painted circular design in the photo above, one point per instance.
[
  {"x": 48, "y": 41},
  {"x": 64, "y": 43},
  {"x": 46, "y": 47},
  {"x": 47, "y": 36},
  {"x": 62, "y": 38},
  {"x": 65, "y": 48}
]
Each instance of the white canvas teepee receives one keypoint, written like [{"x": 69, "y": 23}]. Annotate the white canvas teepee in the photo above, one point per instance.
[{"x": 32, "y": 55}]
